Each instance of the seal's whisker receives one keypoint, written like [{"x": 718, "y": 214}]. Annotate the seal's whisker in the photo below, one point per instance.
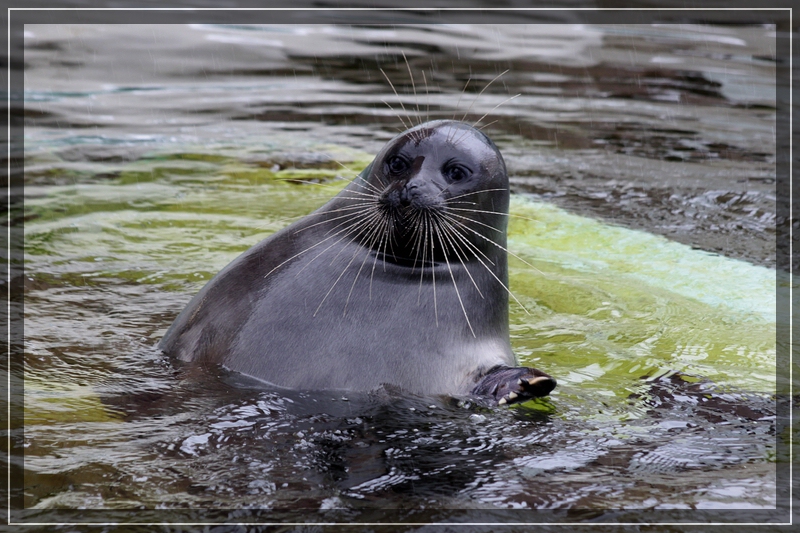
[
  {"x": 307, "y": 182},
  {"x": 444, "y": 190},
  {"x": 411, "y": 122},
  {"x": 475, "y": 124},
  {"x": 396, "y": 113},
  {"x": 369, "y": 186},
  {"x": 355, "y": 253},
  {"x": 383, "y": 184},
  {"x": 371, "y": 193},
  {"x": 376, "y": 216},
  {"x": 477, "y": 222},
  {"x": 487, "y": 239},
  {"x": 365, "y": 213},
  {"x": 390, "y": 244},
  {"x": 347, "y": 231},
  {"x": 364, "y": 184},
  {"x": 416, "y": 237},
  {"x": 414, "y": 88},
  {"x": 487, "y": 125},
  {"x": 466, "y": 242},
  {"x": 357, "y": 176},
  {"x": 354, "y": 178},
  {"x": 506, "y": 250},
  {"x": 374, "y": 229},
  {"x": 423, "y": 221},
  {"x": 458, "y": 102},
  {"x": 433, "y": 269},
  {"x": 480, "y": 93},
  {"x": 378, "y": 230},
  {"x": 473, "y": 192},
  {"x": 363, "y": 195},
  {"x": 427, "y": 99},
  {"x": 353, "y": 210},
  {"x": 345, "y": 167},
  {"x": 368, "y": 244},
  {"x": 447, "y": 231},
  {"x": 451, "y": 208},
  {"x": 351, "y": 227},
  {"x": 371, "y": 190},
  {"x": 365, "y": 225},
  {"x": 405, "y": 214},
  {"x": 452, "y": 276},
  {"x": 295, "y": 256},
  {"x": 421, "y": 244},
  {"x": 353, "y": 203},
  {"x": 470, "y": 246},
  {"x": 384, "y": 239}
]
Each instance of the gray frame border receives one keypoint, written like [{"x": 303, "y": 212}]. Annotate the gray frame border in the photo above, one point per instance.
[{"x": 17, "y": 17}]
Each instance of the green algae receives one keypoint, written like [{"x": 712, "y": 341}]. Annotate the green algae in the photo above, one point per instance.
[{"x": 614, "y": 305}]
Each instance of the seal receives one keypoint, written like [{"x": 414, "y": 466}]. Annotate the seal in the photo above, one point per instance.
[{"x": 401, "y": 280}]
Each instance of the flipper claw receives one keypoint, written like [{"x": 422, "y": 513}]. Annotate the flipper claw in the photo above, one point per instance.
[{"x": 508, "y": 385}]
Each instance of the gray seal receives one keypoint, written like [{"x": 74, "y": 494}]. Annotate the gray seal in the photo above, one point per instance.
[{"x": 400, "y": 280}]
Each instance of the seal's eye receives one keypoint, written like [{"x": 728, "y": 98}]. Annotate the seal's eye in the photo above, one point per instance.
[
  {"x": 456, "y": 172},
  {"x": 396, "y": 164}
]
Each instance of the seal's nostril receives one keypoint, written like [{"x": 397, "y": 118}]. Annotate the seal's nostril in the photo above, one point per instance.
[
  {"x": 409, "y": 192},
  {"x": 405, "y": 198}
]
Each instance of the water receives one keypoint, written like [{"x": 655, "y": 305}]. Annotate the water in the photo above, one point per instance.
[{"x": 643, "y": 158}]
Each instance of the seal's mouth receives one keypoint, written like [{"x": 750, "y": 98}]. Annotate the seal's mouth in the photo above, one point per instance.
[
  {"x": 414, "y": 228},
  {"x": 412, "y": 217},
  {"x": 406, "y": 198},
  {"x": 412, "y": 263}
]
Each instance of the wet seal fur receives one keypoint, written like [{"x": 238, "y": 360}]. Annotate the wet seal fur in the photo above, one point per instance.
[{"x": 399, "y": 280}]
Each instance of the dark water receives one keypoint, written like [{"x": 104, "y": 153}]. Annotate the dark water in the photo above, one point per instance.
[{"x": 155, "y": 154}]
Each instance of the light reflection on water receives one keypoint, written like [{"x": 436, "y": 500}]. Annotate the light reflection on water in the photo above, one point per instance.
[{"x": 142, "y": 182}]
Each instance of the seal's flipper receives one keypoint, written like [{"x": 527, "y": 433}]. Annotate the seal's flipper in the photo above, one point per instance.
[{"x": 512, "y": 385}]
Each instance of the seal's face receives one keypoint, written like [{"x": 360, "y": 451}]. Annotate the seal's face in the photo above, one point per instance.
[{"x": 441, "y": 190}]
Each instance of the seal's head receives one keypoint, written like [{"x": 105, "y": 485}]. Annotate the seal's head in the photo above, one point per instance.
[{"x": 441, "y": 188}]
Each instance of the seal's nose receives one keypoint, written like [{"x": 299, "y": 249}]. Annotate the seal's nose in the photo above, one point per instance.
[
  {"x": 420, "y": 192},
  {"x": 409, "y": 193}
]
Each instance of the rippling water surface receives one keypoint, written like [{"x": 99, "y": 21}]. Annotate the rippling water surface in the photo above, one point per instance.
[{"x": 643, "y": 158}]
